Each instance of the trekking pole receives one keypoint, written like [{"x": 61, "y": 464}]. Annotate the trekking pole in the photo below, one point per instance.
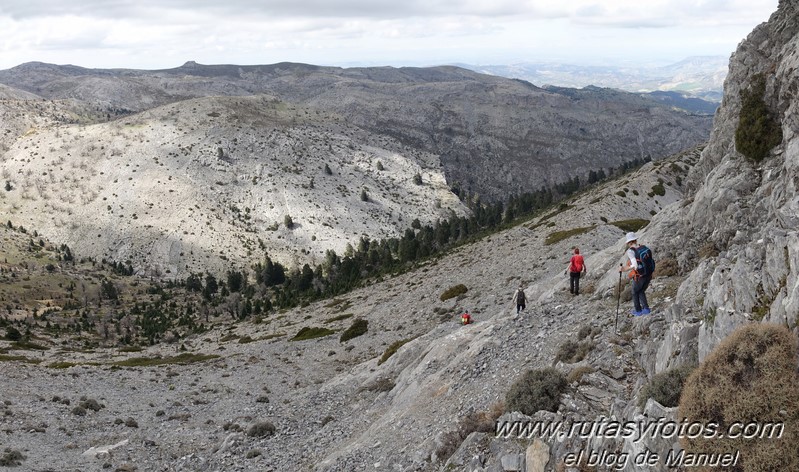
[{"x": 618, "y": 301}]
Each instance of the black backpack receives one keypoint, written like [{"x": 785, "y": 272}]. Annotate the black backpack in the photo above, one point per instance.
[{"x": 645, "y": 261}]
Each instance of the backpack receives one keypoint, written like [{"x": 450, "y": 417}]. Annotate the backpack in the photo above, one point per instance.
[
  {"x": 645, "y": 261},
  {"x": 576, "y": 264}
]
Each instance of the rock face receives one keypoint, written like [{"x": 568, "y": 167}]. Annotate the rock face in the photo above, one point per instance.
[{"x": 740, "y": 230}]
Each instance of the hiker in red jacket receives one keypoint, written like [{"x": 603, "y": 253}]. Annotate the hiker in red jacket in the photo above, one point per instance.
[{"x": 575, "y": 269}]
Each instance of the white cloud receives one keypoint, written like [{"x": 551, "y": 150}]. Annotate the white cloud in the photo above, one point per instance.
[{"x": 165, "y": 33}]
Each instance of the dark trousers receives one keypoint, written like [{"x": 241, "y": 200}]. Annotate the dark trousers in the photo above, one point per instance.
[
  {"x": 520, "y": 306},
  {"x": 574, "y": 283},
  {"x": 640, "y": 285}
]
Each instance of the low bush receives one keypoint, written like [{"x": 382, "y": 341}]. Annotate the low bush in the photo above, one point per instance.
[
  {"x": 186, "y": 358},
  {"x": 453, "y": 292},
  {"x": 658, "y": 189},
  {"x": 359, "y": 327},
  {"x": 558, "y": 236},
  {"x": 536, "y": 390},
  {"x": 311, "y": 333},
  {"x": 571, "y": 351},
  {"x": 380, "y": 385},
  {"x": 339, "y": 318},
  {"x": 631, "y": 225},
  {"x": 757, "y": 132},
  {"x": 576, "y": 375},
  {"x": 393, "y": 348},
  {"x": 261, "y": 429},
  {"x": 667, "y": 267},
  {"x": 478, "y": 421},
  {"x": 11, "y": 458},
  {"x": 666, "y": 387},
  {"x": 751, "y": 376}
]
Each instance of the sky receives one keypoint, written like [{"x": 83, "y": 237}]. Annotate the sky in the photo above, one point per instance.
[{"x": 158, "y": 34}]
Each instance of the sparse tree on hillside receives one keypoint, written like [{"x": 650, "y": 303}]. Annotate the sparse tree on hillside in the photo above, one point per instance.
[{"x": 211, "y": 286}]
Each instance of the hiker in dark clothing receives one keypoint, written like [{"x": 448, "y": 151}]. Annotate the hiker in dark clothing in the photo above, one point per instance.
[
  {"x": 520, "y": 299},
  {"x": 640, "y": 275},
  {"x": 576, "y": 268}
]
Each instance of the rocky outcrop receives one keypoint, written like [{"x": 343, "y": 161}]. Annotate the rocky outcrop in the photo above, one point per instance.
[{"x": 738, "y": 234}]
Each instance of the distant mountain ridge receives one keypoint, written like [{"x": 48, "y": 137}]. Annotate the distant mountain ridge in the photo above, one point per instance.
[
  {"x": 495, "y": 136},
  {"x": 698, "y": 76}
]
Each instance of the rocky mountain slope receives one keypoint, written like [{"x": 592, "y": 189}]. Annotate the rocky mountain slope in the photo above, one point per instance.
[
  {"x": 198, "y": 184},
  {"x": 209, "y": 183},
  {"x": 333, "y": 404},
  {"x": 724, "y": 233},
  {"x": 494, "y": 136}
]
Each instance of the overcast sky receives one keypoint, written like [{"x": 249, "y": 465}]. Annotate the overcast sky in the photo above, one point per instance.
[{"x": 150, "y": 34}]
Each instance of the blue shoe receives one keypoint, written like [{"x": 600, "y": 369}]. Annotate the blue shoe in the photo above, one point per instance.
[
  {"x": 636, "y": 313},
  {"x": 645, "y": 311}
]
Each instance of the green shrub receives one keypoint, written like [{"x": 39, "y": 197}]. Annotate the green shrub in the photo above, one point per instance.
[
  {"x": 665, "y": 387},
  {"x": 621, "y": 193},
  {"x": 393, "y": 348},
  {"x": 186, "y": 358},
  {"x": 91, "y": 404},
  {"x": 13, "y": 334},
  {"x": 571, "y": 352},
  {"x": 453, "y": 292},
  {"x": 751, "y": 376},
  {"x": 339, "y": 318},
  {"x": 11, "y": 458},
  {"x": 311, "y": 333},
  {"x": 536, "y": 390},
  {"x": 631, "y": 225},
  {"x": 578, "y": 372},
  {"x": 28, "y": 345},
  {"x": 658, "y": 189},
  {"x": 757, "y": 132},
  {"x": 558, "y": 236},
  {"x": 358, "y": 328},
  {"x": 380, "y": 385},
  {"x": 584, "y": 332},
  {"x": 253, "y": 453},
  {"x": 478, "y": 421},
  {"x": 261, "y": 429}
]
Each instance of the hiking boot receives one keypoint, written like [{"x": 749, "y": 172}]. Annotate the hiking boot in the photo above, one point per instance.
[
  {"x": 645, "y": 311},
  {"x": 636, "y": 313}
]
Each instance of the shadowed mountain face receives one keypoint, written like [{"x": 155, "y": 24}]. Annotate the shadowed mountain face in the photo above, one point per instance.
[{"x": 494, "y": 136}]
